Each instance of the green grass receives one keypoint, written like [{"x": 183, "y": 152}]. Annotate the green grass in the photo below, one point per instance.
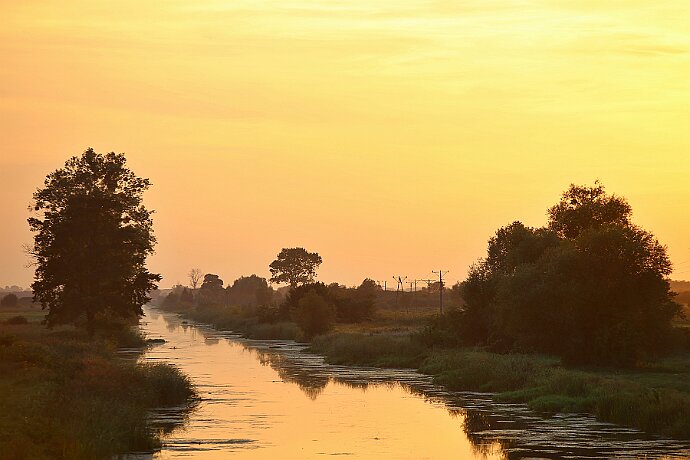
[{"x": 66, "y": 397}]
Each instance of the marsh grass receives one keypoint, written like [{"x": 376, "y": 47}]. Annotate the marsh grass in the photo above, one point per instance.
[
  {"x": 655, "y": 399},
  {"x": 64, "y": 396},
  {"x": 371, "y": 350}
]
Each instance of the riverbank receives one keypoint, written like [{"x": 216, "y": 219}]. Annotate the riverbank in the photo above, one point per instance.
[
  {"x": 65, "y": 396},
  {"x": 654, "y": 399}
]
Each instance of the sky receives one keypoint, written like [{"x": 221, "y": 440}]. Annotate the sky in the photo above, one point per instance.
[{"x": 392, "y": 137}]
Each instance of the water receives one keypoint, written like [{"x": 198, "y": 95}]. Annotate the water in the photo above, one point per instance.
[{"x": 272, "y": 400}]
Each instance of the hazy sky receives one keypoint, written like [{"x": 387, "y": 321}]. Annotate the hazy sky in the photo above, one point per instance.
[{"x": 393, "y": 137}]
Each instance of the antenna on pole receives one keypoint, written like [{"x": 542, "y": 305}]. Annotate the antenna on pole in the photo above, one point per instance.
[{"x": 440, "y": 274}]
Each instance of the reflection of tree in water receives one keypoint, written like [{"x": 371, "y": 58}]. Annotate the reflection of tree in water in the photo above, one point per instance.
[
  {"x": 312, "y": 384},
  {"x": 475, "y": 424}
]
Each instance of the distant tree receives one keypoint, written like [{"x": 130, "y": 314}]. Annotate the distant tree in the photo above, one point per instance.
[
  {"x": 92, "y": 237},
  {"x": 195, "y": 278},
  {"x": 186, "y": 297},
  {"x": 9, "y": 301},
  {"x": 291, "y": 302},
  {"x": 211, "y": 291},
  {"x": 354, "y": 305},
  {"x": 294, "y": 266},
  {"x": 249, "y": 291},
  {"x": 315, "y": 315}
]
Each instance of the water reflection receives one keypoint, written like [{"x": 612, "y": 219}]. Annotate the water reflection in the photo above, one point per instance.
[{"x": 250, "y": 408}]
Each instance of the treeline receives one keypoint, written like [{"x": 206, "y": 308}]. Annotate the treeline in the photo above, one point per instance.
[
  {"x": 314, "y": 306},
  {"x": 591, "y": 287}
]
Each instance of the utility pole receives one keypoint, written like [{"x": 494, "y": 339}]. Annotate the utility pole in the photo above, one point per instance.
[
  {"x": 400, "y": 287},
  {"x": 440, "y": 274}
]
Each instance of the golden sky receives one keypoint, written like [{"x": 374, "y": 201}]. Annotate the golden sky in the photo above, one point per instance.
[{"x": 393, "y": 137}]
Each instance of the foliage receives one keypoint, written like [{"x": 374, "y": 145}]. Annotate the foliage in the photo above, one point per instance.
[
  {"x": 92, "y": 237},
  {"x": 591, "y": 287},
  {"x": 9, "y": 301},
  {"x": 249, "y": 291},
  {"x": 291, "y": 302},
  {"x": 583, "y": 207},
  {"x": 211, "y": 291},
  {"x": 314, "y": 314},
  {"x": 294, "y": 266},
  {"x": 352, "y": 305},
  {"x": 442, "y": 330},
  {"x": 63, "y": 396}
]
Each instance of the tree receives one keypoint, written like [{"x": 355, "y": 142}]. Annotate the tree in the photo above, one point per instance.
[
  {"x": 92, "y": 238},
  {"x": 195, "y": 277},
  {"x": 592, "y": 287},
  {"x": 583, "y": 207},
  {"x": 249, "y": 291},
  {"x": 295, "y": 266},
  {"x": 211, "y": 292},
  {"x": 9, "y": 301}
]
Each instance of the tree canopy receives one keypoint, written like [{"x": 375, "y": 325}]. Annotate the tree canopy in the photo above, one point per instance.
[
  {"x": 294, "y": 266},
  {"x": 591, "y": 287},
  {"x": 92, "y": 235}
]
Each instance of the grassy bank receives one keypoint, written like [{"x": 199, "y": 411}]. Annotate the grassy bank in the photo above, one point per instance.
[
  {"x": 66, "y": 397},
  {"x": 242, "y": 320},
  {"x": 655, "y": 399}
]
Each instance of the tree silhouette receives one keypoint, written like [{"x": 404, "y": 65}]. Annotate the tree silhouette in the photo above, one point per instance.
[
  {"x": 592, "y": 287},
  {"x": 195, "y": 277},
  {"x": 295, "y": 266},
  {"x": 92, "y": 237},
  {"x": 10, "y": 301}
]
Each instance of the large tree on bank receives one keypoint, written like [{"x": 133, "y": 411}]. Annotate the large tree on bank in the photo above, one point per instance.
[
  {"x": 294, "y": 266},
  {"x": 92, "y": 237}
]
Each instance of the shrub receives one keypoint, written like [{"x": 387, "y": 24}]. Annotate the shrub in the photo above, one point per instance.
[{"x": 314, "y": 314}]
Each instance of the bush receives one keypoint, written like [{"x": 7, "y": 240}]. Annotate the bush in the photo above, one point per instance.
[
  {"x": 443, "y": 330},
  {"x": 314, "y": 314}
]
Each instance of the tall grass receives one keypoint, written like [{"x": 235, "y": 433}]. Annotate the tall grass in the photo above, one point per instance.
[
  {"x": 651, "y": 400},
  {"x": 63, "y": 396},
  {"x": 372, "y": 350}
]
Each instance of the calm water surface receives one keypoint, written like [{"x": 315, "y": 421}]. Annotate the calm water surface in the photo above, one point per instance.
[{"x": 271, "y": 400}]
